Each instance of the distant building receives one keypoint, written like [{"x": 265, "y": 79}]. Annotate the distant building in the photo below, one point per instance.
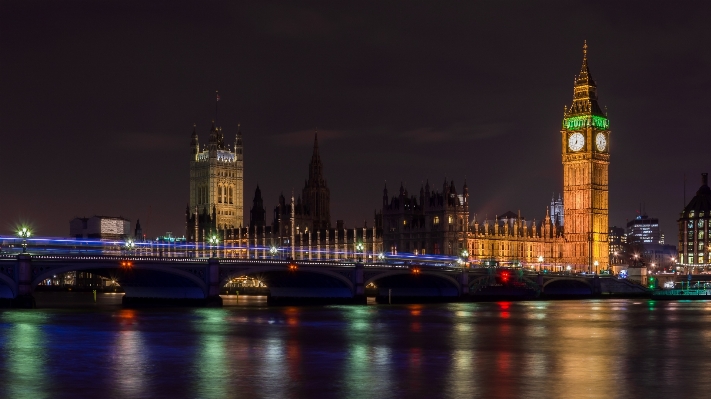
[
  {"x": 643, "y": 230},
  {"x": 694, "y": 228},
  {"x": 101, "y": 227},
  {"x": 618, "y": 248}
]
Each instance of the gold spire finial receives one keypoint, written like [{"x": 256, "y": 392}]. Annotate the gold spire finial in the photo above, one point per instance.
[{"x": 585, "y": 49}]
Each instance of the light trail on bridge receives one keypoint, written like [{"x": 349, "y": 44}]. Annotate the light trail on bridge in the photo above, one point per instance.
[{"x": 11, "y": 246}]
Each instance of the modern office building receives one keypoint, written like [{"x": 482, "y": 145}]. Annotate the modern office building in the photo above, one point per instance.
[
  {"x": 100, "y": 227},
  {"x": 643, "y": 230}
]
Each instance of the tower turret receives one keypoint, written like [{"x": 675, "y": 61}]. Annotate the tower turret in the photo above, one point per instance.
[{"x": 194, "y": 143}]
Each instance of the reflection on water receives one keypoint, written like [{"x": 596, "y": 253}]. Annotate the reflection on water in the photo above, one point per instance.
[
  {"x": 21, "y": 344},
  {"x": 130, "y": 356},
  {"x": 571, "y": 349}
]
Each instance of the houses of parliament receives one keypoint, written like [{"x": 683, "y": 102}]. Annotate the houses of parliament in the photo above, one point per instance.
[{"x": 572, "y": 234}]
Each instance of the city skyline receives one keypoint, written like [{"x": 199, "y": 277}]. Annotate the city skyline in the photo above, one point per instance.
[{"x": 385, "y": 111}]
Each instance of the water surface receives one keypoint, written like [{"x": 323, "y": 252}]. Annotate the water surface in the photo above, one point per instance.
[{"x": 567, "y": 349}]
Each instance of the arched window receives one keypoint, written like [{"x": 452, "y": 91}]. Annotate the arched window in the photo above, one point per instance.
[
  {"x": 231, "y": 195},
  {"x": 219, "y": 194}
]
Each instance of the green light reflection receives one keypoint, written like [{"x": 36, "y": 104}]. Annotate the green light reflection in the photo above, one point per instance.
[
  {"x": 213, "y": 370},
  {"x": 25, "y": 352}
]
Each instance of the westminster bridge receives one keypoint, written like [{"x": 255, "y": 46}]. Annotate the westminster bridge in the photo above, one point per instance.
[{"x": 199, "y": 281}]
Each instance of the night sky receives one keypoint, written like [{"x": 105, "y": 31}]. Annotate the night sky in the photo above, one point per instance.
[{"x": 98, "y": 99}]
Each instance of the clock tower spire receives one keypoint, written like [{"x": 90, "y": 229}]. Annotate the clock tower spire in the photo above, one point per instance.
[{"x": 585, "y": 138}]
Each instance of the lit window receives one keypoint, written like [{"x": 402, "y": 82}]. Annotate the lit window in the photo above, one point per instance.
[
  {"x": 451, "y": 219},
  {"x": 436, "y": 220}
]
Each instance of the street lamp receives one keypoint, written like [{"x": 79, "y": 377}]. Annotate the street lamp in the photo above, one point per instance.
[
  {"x": 359, "y": 250},
  {"x": 273, "y": 251},
  {"x": 130, "y": 244},
  {"x": 24, "y": 233},
  {"x": 540, "y": 262},
  {"x": 465, "y": 258},
  {"x": 213, "y": 240},
  {"x": 381, "y": 256},
  {"x": 596, "y": 263}
]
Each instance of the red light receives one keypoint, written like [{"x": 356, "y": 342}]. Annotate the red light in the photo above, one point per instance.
[{"x": 505, "y": 276}]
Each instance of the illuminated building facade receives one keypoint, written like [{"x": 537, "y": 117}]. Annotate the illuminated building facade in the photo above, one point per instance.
[
  {"x": 216, "y": 185},
  {"x": 585, "y": 142},
  {"x": 300, "y": 229},
  {"x": 694, "y": 243},
  {"x": 512, "y": 240},
  {"x": 435, "y": 224},
  {"x": 643, "y": 230},
  {"x": 101, "y": 227},
  {"x": 574, "y": 231}
]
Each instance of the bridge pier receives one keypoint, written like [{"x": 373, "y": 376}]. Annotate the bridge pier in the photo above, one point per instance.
[
  {"x": 464, "y": 284},
  {"x": 539, "y": 281},
  {"x": 596, "y": 286},
  {"x": 358, "y": 287},
  {"x": 24, "y": 298},
  {"x": 213, "y": 298}
]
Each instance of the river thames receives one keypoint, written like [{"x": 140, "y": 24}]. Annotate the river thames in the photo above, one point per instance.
[{"x": 566, "y": 349}]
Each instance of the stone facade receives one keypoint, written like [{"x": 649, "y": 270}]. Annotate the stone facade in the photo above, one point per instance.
[
  {"x": 436, "y": 223},
  {"x": 216, "y": 185}
]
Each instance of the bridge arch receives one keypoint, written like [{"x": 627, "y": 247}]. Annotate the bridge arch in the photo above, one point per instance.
[
  {"x": 6, "y": 281},
  {"x": 580, "y": 280},
  {"x": 567, "y": 286},
  {"x": 283, "y": 269},
  {"x": 105, "y": 266},
  {"x": 373, "y": 279}
]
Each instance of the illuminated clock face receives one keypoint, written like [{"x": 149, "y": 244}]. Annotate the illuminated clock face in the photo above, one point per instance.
[
  {"x": 576, "y": 141},
  {"x": 601, "y": 142}
]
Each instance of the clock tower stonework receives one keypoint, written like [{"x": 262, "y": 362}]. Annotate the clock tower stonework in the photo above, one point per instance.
[{"x": 585, "y": 139}]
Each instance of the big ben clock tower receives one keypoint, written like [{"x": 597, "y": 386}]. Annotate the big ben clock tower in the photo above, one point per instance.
[{"x": 585, "y": 140}]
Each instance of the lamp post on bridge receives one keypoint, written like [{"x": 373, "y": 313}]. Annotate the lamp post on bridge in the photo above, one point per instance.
[
  {"x": 213, "y": 240},
  {"x": 129, "y": 245},
  {"x": 24, "y": 233},
  {"x": 540, "y": 263},
  {"x": 359, "y": 251},
  {"x": 465, "y": 258}
]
